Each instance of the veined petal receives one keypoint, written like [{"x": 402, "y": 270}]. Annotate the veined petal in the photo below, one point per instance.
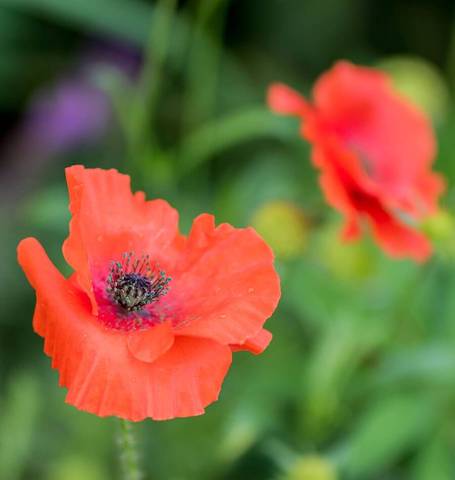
[
  {"x": 148, "y": 345},
  {"x": 256, "y": 344},
  {"x": 108, "y": 220},
  {"x": 180, "y": 383},
  {"x": 96, "y": 365},
  {"x": 228, "y": 285}
]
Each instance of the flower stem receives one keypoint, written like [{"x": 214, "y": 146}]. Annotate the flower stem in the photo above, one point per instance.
[
  {"x": 129, "y": 457},
  {"x": 152, "y": 76}
]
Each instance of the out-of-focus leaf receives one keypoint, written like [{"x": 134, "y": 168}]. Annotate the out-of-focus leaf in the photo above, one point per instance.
[
  {"x": 313, "y": 293},
  {"x": 129, "y": 19},
  {"x": 203, "y": 72},
  {"x": 333, "y": 364},
  {"x": 76, "y": 468},
  {"x": 446, "y": 144},
  {"x": 243, "y": 428},
  {"x": 435, "y": 462},
  {"x": 29, "y": 53},
  {"x": 231, "y": 130},
  {"x": 428, "y": 364},
  {"x": 387, "y": 431},
  {"x": 267, "y": 177},
  {"x": 19, "y": 412},
  {"x": 48, "y": 208}
]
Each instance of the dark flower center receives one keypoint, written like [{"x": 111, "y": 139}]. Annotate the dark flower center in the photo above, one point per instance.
[{"x": 134, "y": 283}]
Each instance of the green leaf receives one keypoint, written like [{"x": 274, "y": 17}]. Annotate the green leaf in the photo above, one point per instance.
[
  {"x": 345, "y": 342},
  {"x": 323, "y": 296},
  {"x": 431, "y": 364},
  {"x": 126, "y": 19},
  {"x": 266, "y": 177},
  {"x": 231, "y": 130},
  {"x": 17, "y": 425},
  {"x": 391, "y": 428},
  {"x": 435, "y": 462}
]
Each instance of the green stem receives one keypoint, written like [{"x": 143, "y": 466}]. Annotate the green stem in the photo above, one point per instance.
[
  {"x": 231, "y": 130},
  {"x": 202, "y": 72},
  {"x": 149, "y": 88},
  {"x": 129, "y": 457}
]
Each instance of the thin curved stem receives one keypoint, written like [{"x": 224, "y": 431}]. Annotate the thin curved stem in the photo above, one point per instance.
[
  {"x": 129, "y": 457},
  {"x": 152, "y": 77}
]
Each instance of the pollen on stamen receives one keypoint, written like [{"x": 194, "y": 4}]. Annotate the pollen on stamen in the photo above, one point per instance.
[{"x": 133, "y": 283}]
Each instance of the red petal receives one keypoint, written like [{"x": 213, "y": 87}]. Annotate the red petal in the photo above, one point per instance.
[
  {"x": 148, "y": 345},
  {"x": 228, "y": 286},
  {"x": 180, "y": 383},
  {"x": 351, "y": 192},
  {"x": 351, "y": 230},
  {"x": 107, "y": 220},
  {"x": 256, "y": 344},
  {"x": 96, "y": 365},
  {"x": 394, "y": 137},
  {"x": 374, "y": 150},
  {"x": 397, "y": 239},
  {"x": 286, "y": 101}
]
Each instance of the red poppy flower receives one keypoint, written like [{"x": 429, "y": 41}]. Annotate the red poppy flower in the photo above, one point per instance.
[
  {"x": 374, "y": 150},
  {"x": 146, "y": 324}
]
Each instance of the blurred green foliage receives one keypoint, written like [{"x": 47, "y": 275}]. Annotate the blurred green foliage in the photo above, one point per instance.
[{"x": 359, "y": 381}]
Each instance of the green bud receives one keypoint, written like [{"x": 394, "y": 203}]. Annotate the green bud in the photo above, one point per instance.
[
  {"x": 283, "y": 226},
  {"x": 311, "y": 467},
  {"x": 420, "y": 82},
  {"x": 346, "y": 260}
]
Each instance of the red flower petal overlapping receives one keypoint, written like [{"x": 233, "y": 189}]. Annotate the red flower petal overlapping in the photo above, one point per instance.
[{"x": 147, "y": 323}]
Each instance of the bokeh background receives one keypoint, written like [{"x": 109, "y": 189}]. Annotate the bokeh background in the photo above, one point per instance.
[{"x": 359, "y": 381}]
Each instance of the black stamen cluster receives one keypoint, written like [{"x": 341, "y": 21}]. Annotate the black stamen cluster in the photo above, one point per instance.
[{"x": 133, "y": 283}]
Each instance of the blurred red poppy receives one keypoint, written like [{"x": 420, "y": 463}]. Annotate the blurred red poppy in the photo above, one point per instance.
[
  {"x": 146, "y": 324},
  {"x": 374, "y": 150}
]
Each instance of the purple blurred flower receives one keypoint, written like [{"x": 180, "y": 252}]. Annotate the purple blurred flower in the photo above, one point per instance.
[{"x": 74, "y": 111}]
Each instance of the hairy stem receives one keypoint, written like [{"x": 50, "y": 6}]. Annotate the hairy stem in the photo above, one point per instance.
[{"x": 129, "y": 458}]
